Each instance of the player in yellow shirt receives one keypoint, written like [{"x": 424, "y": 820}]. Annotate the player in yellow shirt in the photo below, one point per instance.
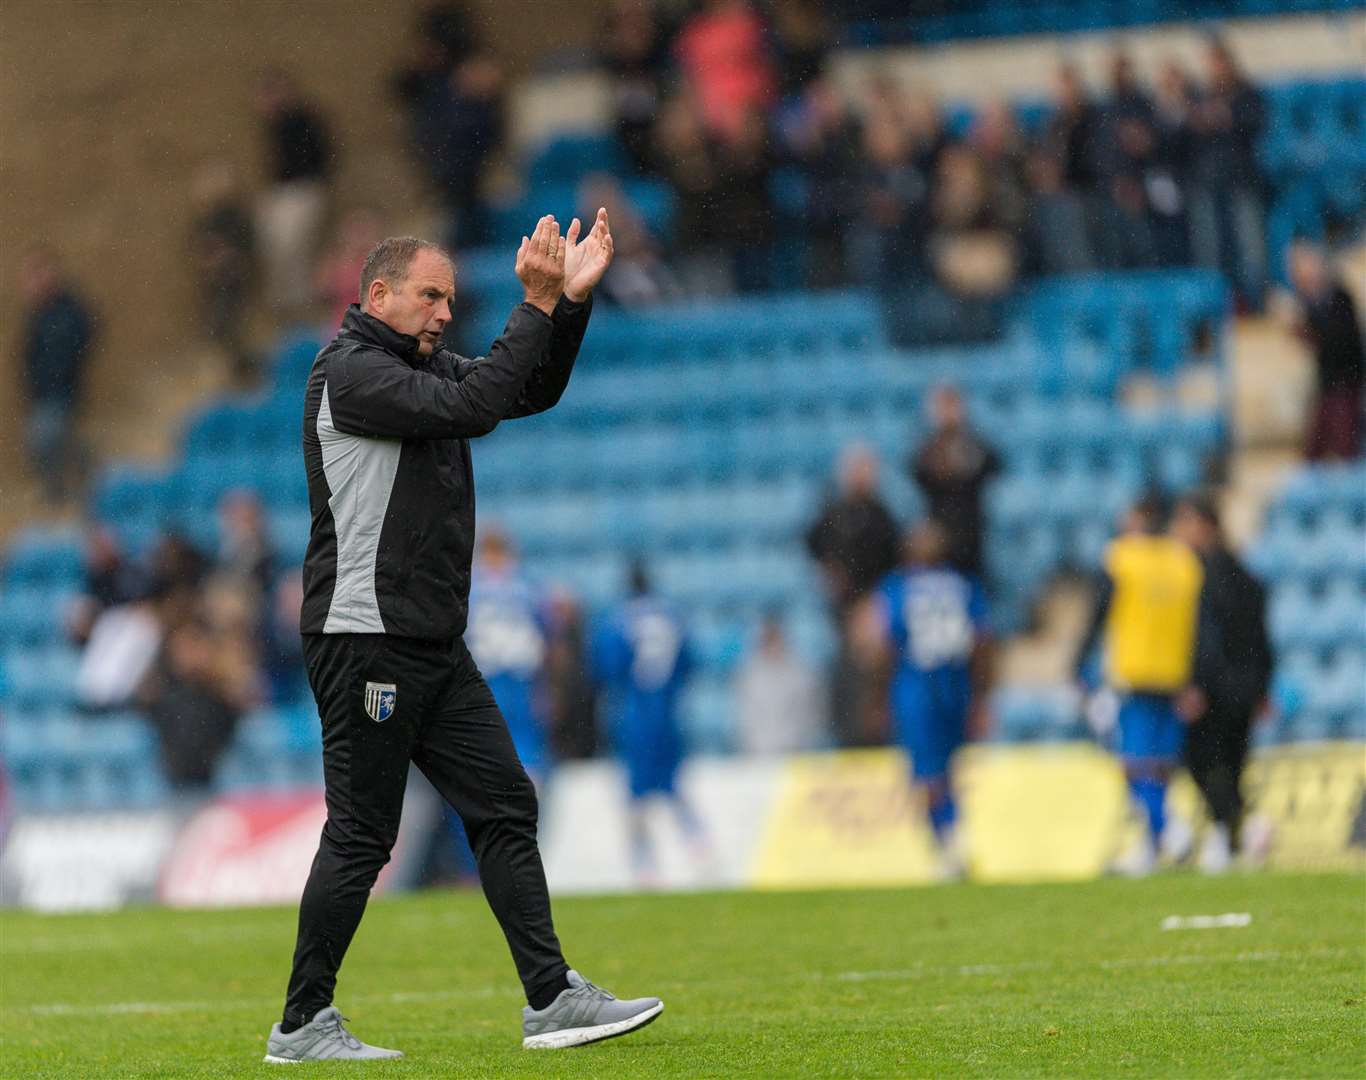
[{"x": 1145, "y": 621}]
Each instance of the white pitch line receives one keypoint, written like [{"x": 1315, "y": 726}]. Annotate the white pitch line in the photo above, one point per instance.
[
  {"x": 14, "y": 945},
  {"x": 969, "y": 970},
  {"x": 156, "y": 1008},
  {"x": 1229, "y": 920},
  {"x": 153, "y": 1008}
]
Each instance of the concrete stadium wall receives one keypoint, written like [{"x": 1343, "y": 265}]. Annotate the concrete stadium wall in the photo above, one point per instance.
[{"x": 106, "y": 111}]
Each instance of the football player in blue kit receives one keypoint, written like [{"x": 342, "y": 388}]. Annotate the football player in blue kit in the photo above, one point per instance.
[
  {"x": 928, "y": 622},
  {"x": 642, "y": 653},
  {"x": 507, "y": 638}
]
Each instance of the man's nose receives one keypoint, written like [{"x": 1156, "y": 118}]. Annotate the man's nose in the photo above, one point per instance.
[{"x": 443, "y": 313}]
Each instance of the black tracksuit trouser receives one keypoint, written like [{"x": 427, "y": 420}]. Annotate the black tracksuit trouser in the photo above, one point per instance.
[
  {"x": 445, "y": 721},
  {"x": 1216, "y": 751}
]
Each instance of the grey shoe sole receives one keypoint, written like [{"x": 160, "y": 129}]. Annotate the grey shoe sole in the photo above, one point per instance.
[
  {"x": 562, "y": 1040},
  {"x": 271, "y": 1059}
]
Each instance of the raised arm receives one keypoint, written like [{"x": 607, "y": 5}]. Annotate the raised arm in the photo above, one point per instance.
[
  {"x": 374, "y": 393},
  {"x": 543, "y": 390},
  {"x": 585, "y": 263}
]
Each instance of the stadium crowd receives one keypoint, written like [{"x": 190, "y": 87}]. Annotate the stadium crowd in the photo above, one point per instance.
[{"x": 732, "y": 106}]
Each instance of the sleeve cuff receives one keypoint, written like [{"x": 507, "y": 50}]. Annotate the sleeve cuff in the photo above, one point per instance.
[
  {"x": 532, "y": 309},
  {"x": 567, "y": 306}
]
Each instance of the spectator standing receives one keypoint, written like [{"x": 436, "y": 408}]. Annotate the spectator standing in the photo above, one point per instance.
[
  {"x": 1232, "y": 674},
  {"x": 855, "y": 541},
  {"x": 973, "y": 250},
  {"x": 690, "y": 162},
  {"x": 110, "y": 580},
  {"x": 635, "y": 54},
  {"x": 1054, "y": 239},
  {"x": 200, "y": 686},
  {"x": 999, "y": 147},
  {"x": 820, "y": 139},
  {"x": 889, "y": 239},
  {"x": 459, "y": 127},
  {"x": 224, "y": 248},
  {"x": 1130, "y": 143},
  {"x": 722, "y": 53},
  {"x": 744, "y": 203},
  {"x": 1332, "y": 328},
  {"x": 246, "y": 556},
  {"x": 1169, "y": 178},
  {"x": 779, "y": 700},
  {"x": 952, "y": 468},
  {"x": 1227, "y": 221},
  {"x": 118, "y": 630},
  {"x": 293, "y": 207},
  {"x": 1075, "y": 133},
  {"x": 58, "y": 333},
  {"x": 803, "y": 35},
  {"x": 443, "y": 36}
]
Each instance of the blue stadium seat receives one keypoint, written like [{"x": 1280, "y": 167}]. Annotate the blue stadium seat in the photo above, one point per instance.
[
  {"x": 291, "y": 361},
  {"x": 32, "y": 615},
  {"x": 44, "y": 558}
]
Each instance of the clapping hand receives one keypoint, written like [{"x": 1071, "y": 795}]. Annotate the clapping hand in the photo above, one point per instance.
[
  {"x": 540, "y": 263},
  {"x": 587, "y": 260}
]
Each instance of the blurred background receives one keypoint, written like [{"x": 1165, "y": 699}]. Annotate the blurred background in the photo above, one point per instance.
[{"x": 1009, "y": 265}]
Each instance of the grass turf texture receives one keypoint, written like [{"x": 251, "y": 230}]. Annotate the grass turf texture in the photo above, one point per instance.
[{"x": 1041, "y": 980}]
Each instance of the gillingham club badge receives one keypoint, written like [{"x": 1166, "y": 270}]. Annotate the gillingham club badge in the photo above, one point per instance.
[{"x": 379, "y": 700}]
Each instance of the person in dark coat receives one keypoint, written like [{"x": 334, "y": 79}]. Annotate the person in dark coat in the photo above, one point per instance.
[
  {"x": 290, "y": 212},
  {"x": 856, "y": 541},
  {"x": 58, "y": 332},
  {"x": 1227, "y": 216},
  {"x": 1333, "y": 330},
  {"x": 952, "y": 468},
  {"x": 1230, "y": 678}
]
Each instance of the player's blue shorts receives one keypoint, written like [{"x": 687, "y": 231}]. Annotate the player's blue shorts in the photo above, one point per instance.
[
  {"x": 1149, "y": 728},
  {"x": 651, "y": 773},
  {"x": 930, "y": 715},
  {"x": 651, "y": 749}
]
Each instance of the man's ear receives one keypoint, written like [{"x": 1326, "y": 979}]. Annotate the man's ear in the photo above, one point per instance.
[{"x": 374, "y": 299}]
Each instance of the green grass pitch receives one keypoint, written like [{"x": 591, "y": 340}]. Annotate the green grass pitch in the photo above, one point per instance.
[{"x": 962, "y": 980}]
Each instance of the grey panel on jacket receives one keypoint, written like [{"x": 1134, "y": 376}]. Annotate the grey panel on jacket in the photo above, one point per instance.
[{"x": 360, "y": 474}]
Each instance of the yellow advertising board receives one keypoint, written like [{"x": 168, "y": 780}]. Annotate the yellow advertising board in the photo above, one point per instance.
[
  {"x": 846, "y": 818},
  {"x": 1039, "y": 812}
]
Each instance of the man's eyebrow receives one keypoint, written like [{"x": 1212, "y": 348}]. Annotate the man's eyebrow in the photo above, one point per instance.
[{"x": 433, "y": 286}]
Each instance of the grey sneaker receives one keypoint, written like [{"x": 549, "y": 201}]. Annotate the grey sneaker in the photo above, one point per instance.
[
  {"x": 322, "y": 1039},
  {"x": 583, "y": 1014}
]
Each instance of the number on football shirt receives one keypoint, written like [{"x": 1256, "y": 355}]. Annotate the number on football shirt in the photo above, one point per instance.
[
  {"x": 504, "y": 640},
  {"x": 939, "y": 627},
  {"x": 655, "y": 642}
]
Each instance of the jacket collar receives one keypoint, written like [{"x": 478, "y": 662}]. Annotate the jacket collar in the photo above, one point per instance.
[{"x": 368, "y": 328}]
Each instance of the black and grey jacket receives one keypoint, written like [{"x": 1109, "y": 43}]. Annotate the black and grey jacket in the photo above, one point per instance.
[{"x": 390, "y": 484}]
